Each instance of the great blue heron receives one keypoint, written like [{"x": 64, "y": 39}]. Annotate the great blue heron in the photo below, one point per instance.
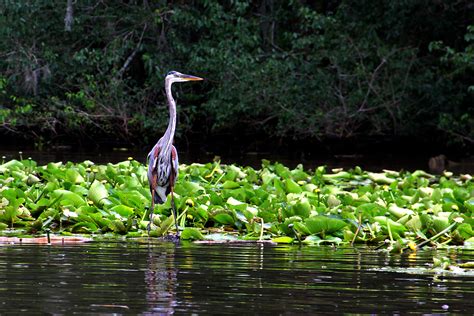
[{"x": 163, "y": 157}]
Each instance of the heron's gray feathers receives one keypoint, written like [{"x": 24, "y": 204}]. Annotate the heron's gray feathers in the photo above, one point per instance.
[{"x": 162, "y": 170}]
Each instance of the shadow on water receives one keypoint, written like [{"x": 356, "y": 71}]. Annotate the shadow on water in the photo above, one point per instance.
[
  {"x": 376, "y": 161},
  {"x": 162, "y": 278}
]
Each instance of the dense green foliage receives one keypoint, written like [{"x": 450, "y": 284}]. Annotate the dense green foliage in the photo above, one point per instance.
[
  {"x": 287, "y": 69},
  {"x": 217, "y": 201}
]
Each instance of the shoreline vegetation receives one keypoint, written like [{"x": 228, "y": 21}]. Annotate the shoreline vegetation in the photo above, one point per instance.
[
  {"x": 397, "y": 210},
  {"x": 321, "y": 71}
]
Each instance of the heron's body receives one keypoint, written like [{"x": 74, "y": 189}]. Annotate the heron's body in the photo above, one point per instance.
[
  {"x": 163, "y": 157},
  {"x": 162, "y": 173}
]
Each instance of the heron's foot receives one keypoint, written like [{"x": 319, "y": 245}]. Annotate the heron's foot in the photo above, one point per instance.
[
  {"x": 172, "y": 238},
  {"x": 148, "y": 228}
]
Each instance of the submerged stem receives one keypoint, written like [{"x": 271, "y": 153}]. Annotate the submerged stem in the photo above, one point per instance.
[{"x": 357, "y": 231}]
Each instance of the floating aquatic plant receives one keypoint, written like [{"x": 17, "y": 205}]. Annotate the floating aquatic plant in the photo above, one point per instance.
[{"x": 402, "y": 210}]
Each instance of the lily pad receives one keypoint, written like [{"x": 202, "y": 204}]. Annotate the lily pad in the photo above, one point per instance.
[
  {"x": 191, "y": 234},
  {"x": 283, "y": 240},
  {"x": 324, "y": 224}
]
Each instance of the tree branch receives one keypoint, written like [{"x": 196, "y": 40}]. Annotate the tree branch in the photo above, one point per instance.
[
  {"x": 68, "y": 19},
  {"x": 131, "y": 56},
  {"x": 370, "y": 87}
]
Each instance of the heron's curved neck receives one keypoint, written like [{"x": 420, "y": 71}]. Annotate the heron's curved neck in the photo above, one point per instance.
[{"x": 169, "y": 134}]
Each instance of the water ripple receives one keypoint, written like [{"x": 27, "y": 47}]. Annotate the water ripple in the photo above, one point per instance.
[{"x": 162, "y": 278}]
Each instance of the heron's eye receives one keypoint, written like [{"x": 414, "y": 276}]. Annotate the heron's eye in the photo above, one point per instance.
[{"x": 172, "y": 72}]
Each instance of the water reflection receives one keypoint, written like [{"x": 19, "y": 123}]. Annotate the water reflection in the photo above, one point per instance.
[
  {"x": 160, "y": 279},
  {"x": 163, "y": 278},
  {"x": 375, "y": 161},
  {"x": 371, "y": 161}
]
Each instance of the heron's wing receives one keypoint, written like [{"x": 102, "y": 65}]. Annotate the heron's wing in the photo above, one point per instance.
[
  {"x": 152, "y": 157},
  {"x": 175, "y": 163}
]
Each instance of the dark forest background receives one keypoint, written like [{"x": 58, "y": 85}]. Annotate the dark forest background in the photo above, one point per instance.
[{"x": 276, "y": 71}]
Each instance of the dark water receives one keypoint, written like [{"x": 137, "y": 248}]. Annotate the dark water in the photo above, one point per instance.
[
  {"x": 373, "y": 162},
  {"x": 163, "y": 278}
]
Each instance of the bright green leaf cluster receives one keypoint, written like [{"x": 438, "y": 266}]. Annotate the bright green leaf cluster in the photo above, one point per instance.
[{"x": 272, "y": 203}]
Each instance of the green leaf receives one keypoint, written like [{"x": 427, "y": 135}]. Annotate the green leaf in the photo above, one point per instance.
[
  {"x": 84, "y": 227},
  {"x": 230, "y": 185},
  {"x": 414, "y": 223},
  {"x": 337, "y": 177},
  {"x": 191, "y": 234},
  {"x": 193, "y": 187},
  {"x": 394, "y": 226},
  {"x": 32, "y": 179},
  {"x": 380, "y": 178},
  {"x": 469, "y": 204},
  {"x": 66, "y": 195},
  {"x": 311, "y": 240},
  {"x": 465, "y": 230},
  {"x": 267, "y": 176},
  {"x": 11, "y": 165},
  {"x": 98, "y": 194},
  {"x": 469, "y": 243},
  {"x": 301, "y": 228},
  {"x": 223, "y": 218},
  {"x": 333, "y": 201},
  {"x": 398, "y": 212},
  {"x": 236, "y": 204},
  {"x": 324, "y": 224},
  {"x": 283, "y": 240},
  {"x": 440, "y": 223},
  {"x": 72, "y": 175},
  {"x": 302, "y": 208},
  {"x": 285, "y": 226},
  {"x": 123, "y": 210},
  {"x": 117, "y": 226},
  {"x": 292, "y": 186}
]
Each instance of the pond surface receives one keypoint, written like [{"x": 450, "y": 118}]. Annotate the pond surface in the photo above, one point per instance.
[
  {"x": 164, "y": 278},
  {"x": 373, "y": 162}
]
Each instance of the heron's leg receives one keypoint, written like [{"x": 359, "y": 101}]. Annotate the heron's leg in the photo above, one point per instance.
[
  {"x": 152, "y": 209},
  {"x": 175, "y": 211}
]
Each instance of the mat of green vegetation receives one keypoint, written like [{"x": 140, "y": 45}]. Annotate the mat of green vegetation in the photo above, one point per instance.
[{"x": 228, "y": 202}]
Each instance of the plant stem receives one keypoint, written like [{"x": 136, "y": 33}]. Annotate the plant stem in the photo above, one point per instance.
[
  {"x": 389, "y": 231},
  {"x": 436, "y": 236},
  {"x": 261, "y": 229},
  {"x": 358, "y": 229}
]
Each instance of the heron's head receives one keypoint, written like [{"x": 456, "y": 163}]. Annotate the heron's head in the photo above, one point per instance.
[{"x": 174, "y": 76}]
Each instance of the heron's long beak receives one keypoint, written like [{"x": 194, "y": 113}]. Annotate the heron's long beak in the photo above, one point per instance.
[{"x": 190, "y": 78}]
